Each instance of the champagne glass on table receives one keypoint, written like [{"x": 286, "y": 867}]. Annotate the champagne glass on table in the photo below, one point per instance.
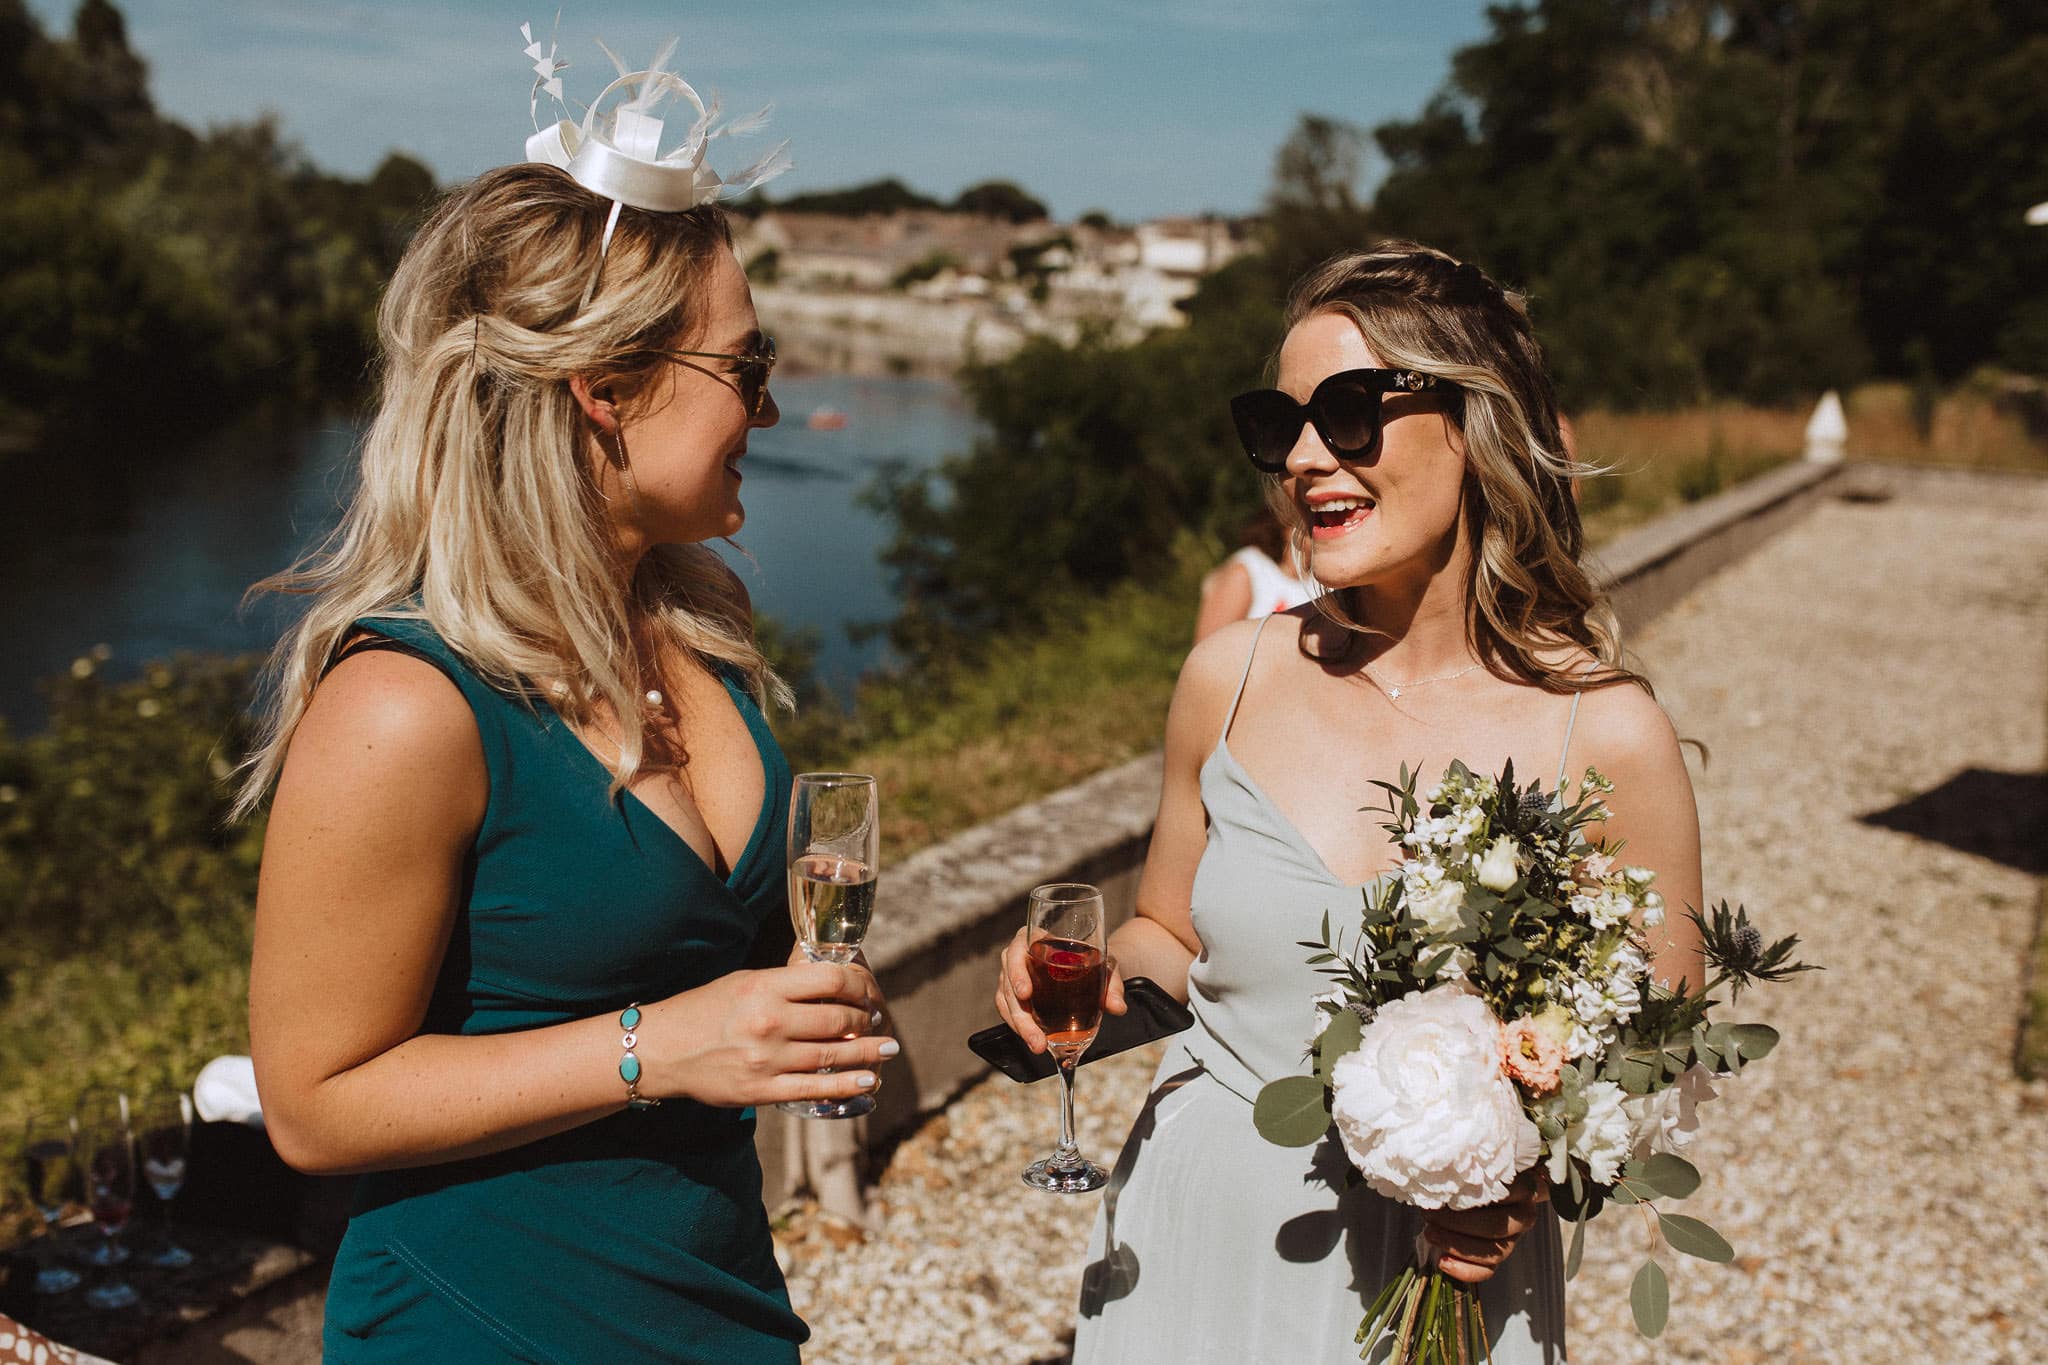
[
  {"x": 1069, "y": 978},
  {"x": 165, "y": 1135},
  {"x": 834, "y": 845},
  {"x": 50, "y": 1152},
  {"x": 106, "y": 1154}
]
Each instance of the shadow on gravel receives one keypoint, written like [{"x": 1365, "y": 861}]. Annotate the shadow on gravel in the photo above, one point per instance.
[{"x": 2001, "y": 816}]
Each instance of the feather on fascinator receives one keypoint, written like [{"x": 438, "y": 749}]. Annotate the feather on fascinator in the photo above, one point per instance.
[{"x": 616, "y": 151}]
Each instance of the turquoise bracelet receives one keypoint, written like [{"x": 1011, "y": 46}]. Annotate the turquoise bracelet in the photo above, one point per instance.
[{"x": 629, "y": 1065}]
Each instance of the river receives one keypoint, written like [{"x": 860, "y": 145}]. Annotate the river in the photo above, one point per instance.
[{"x": 148, "y": 551}]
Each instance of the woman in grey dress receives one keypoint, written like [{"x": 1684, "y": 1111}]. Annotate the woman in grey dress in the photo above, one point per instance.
[{"x": 1416, "y": 454}]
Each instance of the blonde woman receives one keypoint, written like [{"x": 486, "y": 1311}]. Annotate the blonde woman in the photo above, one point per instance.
[
  {"x": 1414, "y": 449},
  {"x": 528, "y": 826}
]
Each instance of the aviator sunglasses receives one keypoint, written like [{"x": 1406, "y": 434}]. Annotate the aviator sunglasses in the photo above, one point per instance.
[
  {"x": 750, "y": 370},
  {"x": 1345, "y": 409}
]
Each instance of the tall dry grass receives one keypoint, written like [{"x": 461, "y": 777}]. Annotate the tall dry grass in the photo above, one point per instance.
[
  {"x": 1980, "y": 424},
  {"x": 1659, "y": 460}
]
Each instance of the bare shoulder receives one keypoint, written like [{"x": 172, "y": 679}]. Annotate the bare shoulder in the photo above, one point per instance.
[
  {"x": 1210, "y": 674},
  {"x": 1214, "y": 665},
  {"x": 1625, "y": 733},
  {"x": 390, "y": 722}
]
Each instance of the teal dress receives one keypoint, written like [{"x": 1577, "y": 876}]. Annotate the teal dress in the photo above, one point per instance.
[{"x": 641, "y": 1236}]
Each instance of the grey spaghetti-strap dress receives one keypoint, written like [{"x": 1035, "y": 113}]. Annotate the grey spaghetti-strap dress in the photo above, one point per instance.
[{"x": 1212, "y": 1243}]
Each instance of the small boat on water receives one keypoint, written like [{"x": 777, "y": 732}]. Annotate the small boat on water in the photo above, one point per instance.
[{"x": 826, "y": 419}]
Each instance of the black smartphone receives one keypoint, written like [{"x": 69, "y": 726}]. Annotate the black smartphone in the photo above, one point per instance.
[{"x": 1149, "y": 1013}]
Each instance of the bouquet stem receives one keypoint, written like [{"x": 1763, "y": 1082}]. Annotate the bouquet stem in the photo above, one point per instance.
[{"x": 1433, "y": 1319}]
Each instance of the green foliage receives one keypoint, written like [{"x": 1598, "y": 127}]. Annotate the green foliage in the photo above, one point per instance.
[
  {"x": 876, "y": 197},
  {"x": 166, "y": 272},
  {"x": 1649, "y": 1299},
  {"x": 1293, "y": 1111},
  {"x": 1000, "y": 199},
  {"x": 1098, "y": 457},
  {"x": 127, "y": 899},
  {"x": 928, "y": 266},
  {"x": 1713, "y": 198}
]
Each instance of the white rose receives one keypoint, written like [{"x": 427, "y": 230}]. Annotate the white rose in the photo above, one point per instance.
[
  {"x": 1423, "y": 1108},
  {"x": 1602, "y": 1139},
  {"x": 1499, "y": 868},
  {"x": 1437, "y": 906},
  {"x": 1668, "y": 1120}
]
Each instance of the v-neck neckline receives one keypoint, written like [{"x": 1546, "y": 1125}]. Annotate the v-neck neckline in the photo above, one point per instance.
[
  {"x": 1287, "y": 826},
  {"x": 761, "y": 819}
]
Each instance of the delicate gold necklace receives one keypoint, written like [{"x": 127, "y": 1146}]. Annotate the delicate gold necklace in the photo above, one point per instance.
[{"x": 1394, "y": 690}]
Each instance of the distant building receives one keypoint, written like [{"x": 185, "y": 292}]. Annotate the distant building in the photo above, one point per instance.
[{"x": 1130, "y": 277}]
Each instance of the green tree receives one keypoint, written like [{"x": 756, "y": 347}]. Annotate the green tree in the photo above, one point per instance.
[
  {"x": 877, "y": 197},
  {"x": 1000, "y": 199}
]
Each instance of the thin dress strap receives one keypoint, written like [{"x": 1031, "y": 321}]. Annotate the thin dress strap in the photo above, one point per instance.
[
  {"x": 1565, "y": 753},
  {"x": 1243, "y": 678}
]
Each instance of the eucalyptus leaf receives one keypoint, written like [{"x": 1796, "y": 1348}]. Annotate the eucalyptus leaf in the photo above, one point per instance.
[
  {"x": 1671, "y": 1176},
  {"x": 1695, "y": 1238},
  {"x": 1649, "y": 1298},
  {"x": 1578, "y": 1248},
  {"x": 1340, "y": 1036},
  {"x": 1292, "y": 1111},
  {"x": 1754, "y": 1041}
]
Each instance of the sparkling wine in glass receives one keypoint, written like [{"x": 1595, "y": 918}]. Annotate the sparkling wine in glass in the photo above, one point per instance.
[
  {"x": 49, "y": 1154},
  {"x": 165, "y": 1137},
  {"x": 834, "y": 848},
  {"x": 1069, "y": 978},
  {"x": 106, "y": 1154}
]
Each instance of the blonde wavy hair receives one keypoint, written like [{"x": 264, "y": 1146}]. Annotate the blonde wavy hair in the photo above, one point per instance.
[
  {"x": 476, "y": 509},
  {"x": 1527, "y": 594}
]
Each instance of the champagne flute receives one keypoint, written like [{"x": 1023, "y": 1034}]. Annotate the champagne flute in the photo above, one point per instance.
[
  {"x": 166, "y": 1140},
  {"x": 50, "y": 1152},
  {"x": 1069, "y": 980},
  {"x": 834, "y": 846},
  {"x": 106, "y": 1150}
]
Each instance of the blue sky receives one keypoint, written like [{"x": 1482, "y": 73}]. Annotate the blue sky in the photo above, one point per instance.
[{"x": 1140, "y": 107}]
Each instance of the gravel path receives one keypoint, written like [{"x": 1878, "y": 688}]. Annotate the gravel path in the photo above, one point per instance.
[{"x": 1883, "y": 1177}]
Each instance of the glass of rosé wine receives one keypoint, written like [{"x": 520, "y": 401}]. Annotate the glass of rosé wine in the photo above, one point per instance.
[
  {"x": 106, "y": 1157},
  {"x": 1069, "y": 978}
]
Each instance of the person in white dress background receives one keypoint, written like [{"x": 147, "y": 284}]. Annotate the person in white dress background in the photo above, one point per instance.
[
  {"x": 1262, "y": 577},
  {"x": 1416, "y": 455}
]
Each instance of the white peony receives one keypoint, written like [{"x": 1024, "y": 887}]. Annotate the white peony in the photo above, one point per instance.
[
  {"x": 1602, "y": 1139},
  {"x": 1423, "y": 1108},
  {"x": 1499, "y": 868},
  {"x": 1668, "y": 1120}
]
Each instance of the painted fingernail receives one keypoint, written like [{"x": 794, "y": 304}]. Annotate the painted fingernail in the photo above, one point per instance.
[
  {"x": 890, "y": 1047},
  {"x": 864, "y": 1079}
]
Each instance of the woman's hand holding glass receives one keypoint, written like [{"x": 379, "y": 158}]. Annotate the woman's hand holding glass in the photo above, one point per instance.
[
  {"x": 764, "y": 1037},
  {"x": 1013, "y": 991}
]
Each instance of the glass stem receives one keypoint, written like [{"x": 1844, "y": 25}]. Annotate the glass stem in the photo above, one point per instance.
[{"x": 1068, "y": 1150}]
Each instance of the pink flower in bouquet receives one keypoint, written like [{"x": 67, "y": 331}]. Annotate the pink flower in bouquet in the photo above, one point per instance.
[{"x": 1530, "y": 1056}]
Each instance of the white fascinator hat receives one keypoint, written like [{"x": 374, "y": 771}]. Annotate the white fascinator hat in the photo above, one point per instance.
[{"x": 615, "y": 149}]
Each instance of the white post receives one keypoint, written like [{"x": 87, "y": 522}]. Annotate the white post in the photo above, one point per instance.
[{"x": 1827, "y": 431}]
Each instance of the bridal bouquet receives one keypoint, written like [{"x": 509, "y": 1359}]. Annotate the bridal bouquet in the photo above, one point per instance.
[{"x": 1494, "y": 1009}]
